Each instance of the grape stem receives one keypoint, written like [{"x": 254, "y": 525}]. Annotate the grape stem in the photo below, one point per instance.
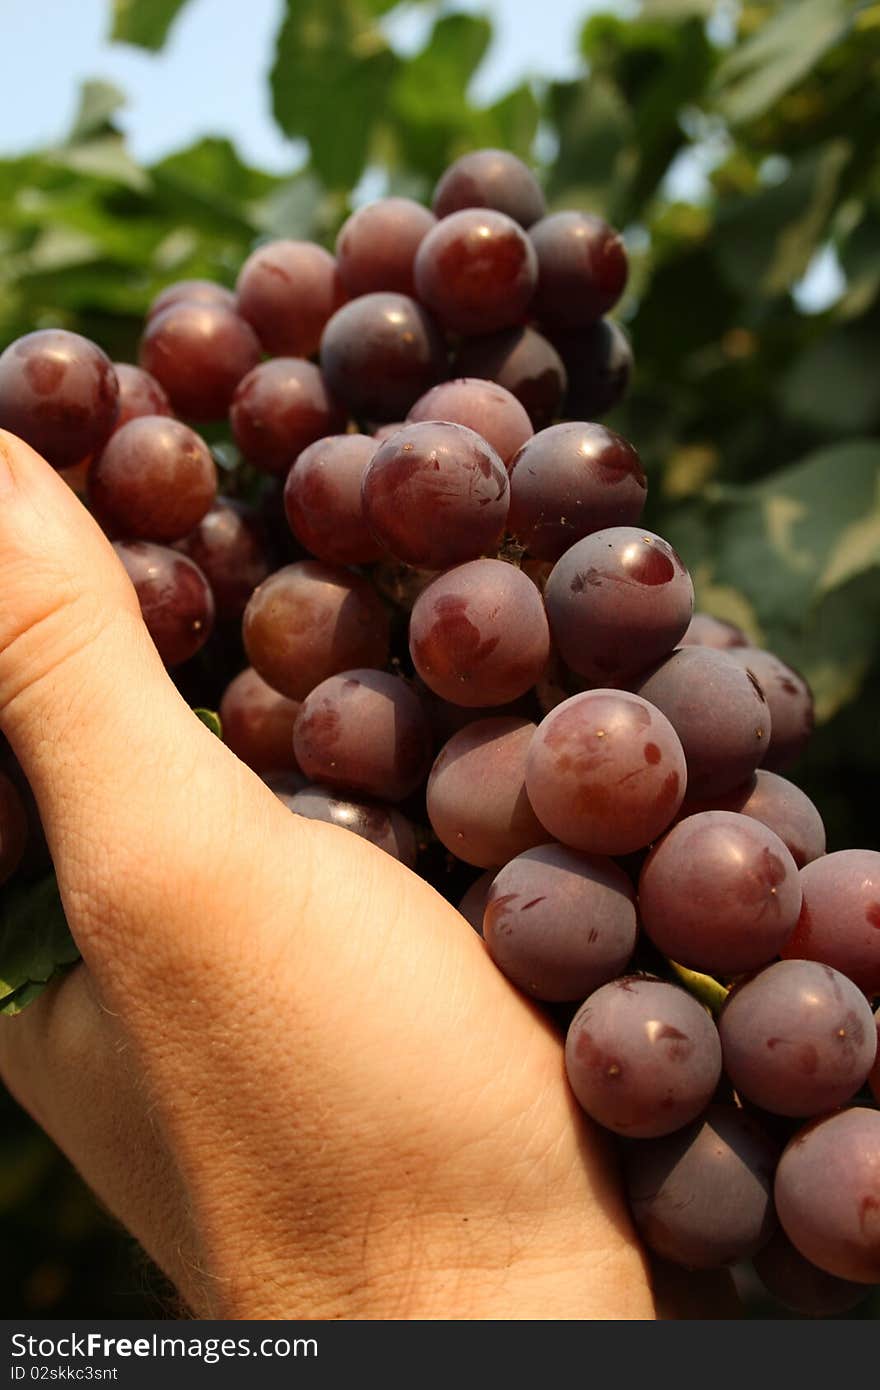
[{"x": 703, "y": 987}]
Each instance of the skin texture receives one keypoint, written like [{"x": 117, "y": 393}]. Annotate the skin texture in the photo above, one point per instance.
[{"x": 408, "y": 1180}]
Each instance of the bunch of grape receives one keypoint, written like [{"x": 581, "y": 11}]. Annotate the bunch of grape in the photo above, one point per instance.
[{"x": 427, "y": 613}]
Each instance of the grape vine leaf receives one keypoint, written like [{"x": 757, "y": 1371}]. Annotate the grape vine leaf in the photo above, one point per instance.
[
  {"x": 144, "y": 23},
  {"x": 35, "y": 942}
]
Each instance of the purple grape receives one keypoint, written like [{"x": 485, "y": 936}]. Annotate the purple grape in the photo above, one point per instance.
[
  {"x": 569, "y": 481},
  {"x": 366, "y": 731},
  {"x": 380, "y": 352},
  {"x": 230, "y": 549},
  {"x": 790, "y": 702},
  {"x": 198, "y": 353},
  {"x": 803, "y": 1287},
  {"x": 280, "y": 408},
  {"x": 720, "y": 893},
  {"x": 258, "y": 723},
  {"x": 383, "y": 826},
  {"x": 617, "y": 601},
  {"x": 598, "y": 363},
  {"x": 606, "y": 772},
  {"x": 139, "y": 394},
  {"x": 191, "y": 291},
  {"x": 483, "y": 406},
  {"x": 525, "y": 363},
  {"x": 309, "y": 621},
  {"x": 435, "y": 495},
  {"x": 706, "y": 631},
  {"x": 476, "y": 271},
  {"x": 490, "y": 179},
  {"x": 377, "y": 245},
  {"x": 478, "y": 634},
  {"x": 839, "y": 923},
  {"x": 476, "y": 797},
  {"x": 827, "y": 1194},
  {"x": 175, "y": 598},
  {"x": 777, "y": 803},
  {"x": 582, "y": 268},
  {"x": 798, "y": 1038},
  {"x": 323, "y": 503},
  {"x": 559, "y": 924},
  {"x": 13, "y": 828},
  {"x": 642, "y": 1057},
  {"x": 287, "y": 291},
  {"x": 702, "y": 1197},
  {"x": 718, "y": 712},
  {"x": 473, "y": 905},
  {"x": 60, "y": 394},
  {"x": 154, "y": 481}
]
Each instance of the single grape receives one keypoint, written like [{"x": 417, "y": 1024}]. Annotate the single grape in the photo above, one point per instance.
[
  {"x": 477, "y": 271},
  {"x": 385, "y": 431},
  {"x": 384, "y": 826},
  {"x": 559, "y": 924},
  {"x": 702, "y": 1197},
  {"x": 435, "y": 495},
  {"x": 598, "y": 363},
  {"x": 280, "y": 408},
  {"x": 198, "y": 353},
  {"x": 258, "y": 723},
  {"x": 525, "y": 363},
  {"x": 191, "y": 291},
  {"x": 706, "y": 631},
  {"x": 477, "y": 801},
  {"x": 154, "y": 481},
  {"x": 569, "y": 481},
  {"x": 139, "y": 394},
  {"x": 803, "y": 1287},
  {"x": 175, "y": 598},
  {"x": 322, "y": 500},
  {"x": 377, "y": 245},
  {"x": 618, "y": 600},
  {"x": 490, "y": 179},
  {"x": 309, "y": 621},
  {"x": 473, "y": 904},
  {"x": 287, "y": 290},
  {"x": 718, "y": 712},
  {"x": 582, "y": 268},
  {"x": 59, "y": 393},
  {"x": 605, "y": 772},
  {"x": 789, "y": 700},
  {"x": 642, "y": 1056},
  {"x": 839, "y": 923},
  {"x": 478, "y": 635},
  {"x": 483, "y": 406},
  {"x": 798, "y": 1038},
  {"x": 720, "y": 893},
  {"x": 827, "y": 1194},
  {"x": 777, "y": 803},
  {"x": 379, "y": 353},
  {"x": 365, "y": 731},
  {"x": 230, "y": 548},
  {"x": 13, "y": 828}
]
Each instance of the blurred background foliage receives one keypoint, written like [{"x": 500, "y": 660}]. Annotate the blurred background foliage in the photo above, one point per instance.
[{"x": 757, "y": 417}]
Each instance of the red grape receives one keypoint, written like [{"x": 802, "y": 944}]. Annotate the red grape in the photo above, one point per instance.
[
  {"x": 778, "y": 804},
  {"x": 139, "y": 394},
  {"x": 198, "y": 353},
  {"x": 477, "y": 271},
  {"x": 582, "y": 268},
  {"x": 191, "y": 291},
  {"x": 473, "y": 903},
  {"x": 706, "y": 631},
  {"x": 377, "y": 245},
  {"x": 258, "y": 723},
  {"x": 322, "y": 500},
  {"x": 790, "y": 702},
  {"x": 839, "y": 923},
  {"x": 280, "y": 408},
  {"x": 59, "y": 393},
  {"x": 380, "y": 352},
  {"x": 490, "y": 179},
  {"x": 175, "y": 598},
  {"x": 230, "y": 548},
  {"x": 525, "y": 363},
  {"x": 801, "y": 1286},
  {"x": 287, "y": 290},
  {"x": 383, "y": 826},
  {"x": 598, "y": 363},
  {"x": 483, "y": 406},
  {"x": 155, "y": 480}
]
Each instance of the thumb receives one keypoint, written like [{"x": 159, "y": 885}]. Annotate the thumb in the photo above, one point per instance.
[{"x": 115, "y": 757}]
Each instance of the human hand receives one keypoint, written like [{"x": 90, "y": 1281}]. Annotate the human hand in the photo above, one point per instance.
[{"x": 286, "y": 1065}]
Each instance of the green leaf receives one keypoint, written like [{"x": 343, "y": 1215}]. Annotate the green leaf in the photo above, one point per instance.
[
  {"x": 144, "y": 22},
  {"x": 98, "y": 104},
  {"x": 330, "y": 83},
  {"x": 104, "y": 157},
  {"x": 433, "y": 117},
  {"x": 596, "y": 143},
  {"x": 211, "y": 720},
  {"x": 781, "y": 53},
  {"x": 35, "y": 939},
  {"x": 831, "y": 384}
]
